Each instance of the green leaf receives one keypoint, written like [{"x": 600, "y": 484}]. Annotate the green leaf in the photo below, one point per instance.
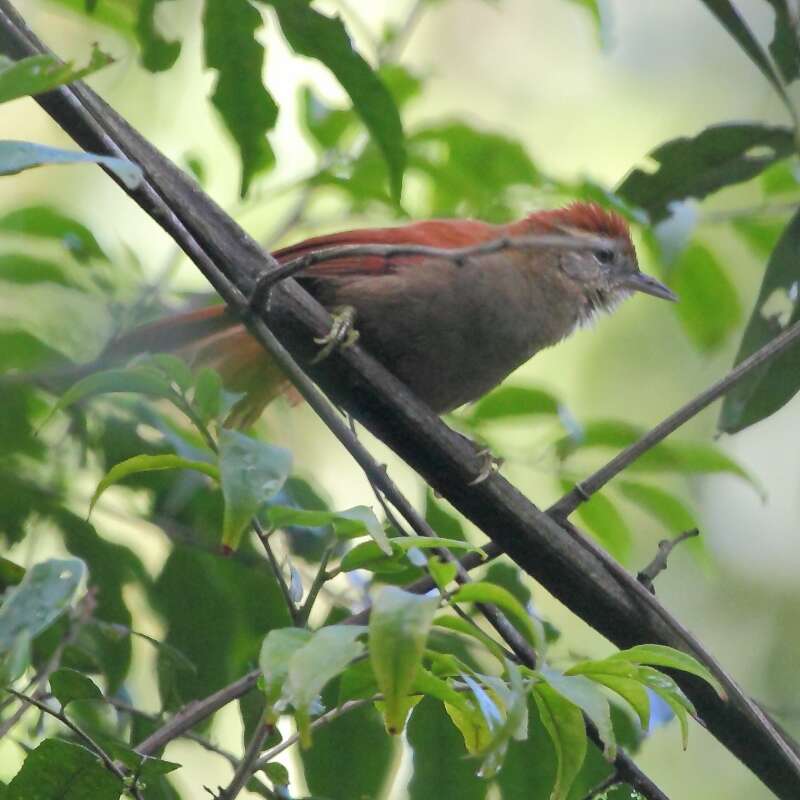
[
  {"x": 49, "y": 223},
  {"x": 604, "y": 520},
  {"x": 38, "y": 74},
  {"x": 69, "y": 684},
  {"x": 247, "y": 108},
  {"x": 368, "y": 555},
  {"x": 326, "y": 125},
  {"x": 315, "y": 35},
  {"x": 668, "y": 509},
  {"x": 251, "y": 472},
  {"x": 17, "y": 156},
  {"x": 685, "y": 457},
  {"x": 512, "y": 402},
  {"x": 709, "y": 307},
  {"x": 785, "y": 47},
  {"x": 208, "y": 394},
  {"x": 621, "y": 677},
  {"x": 278, "y": 647},
  {"x": 761, "y": 235},
  {"x": 398, "y": 629},
  {"x": 662, "y": 656},
  {"x": 580, "y": 691},
  {"x": 59, "y": 770},
  {"x": 315, "y": 663},
  {"x": 438, "y": 757},
  {"x": 769, "y": 387},
  {"x": 158, "y": 54},
  {"x": 146, "y": 463},
  {"x": 443, "y": 522},
  {"x": 563, "y": 722},
  {"x": 483, "y": 592},
  {"x": 717, "y": 157},
  {"x": 730, "y": 19},
  {"x": 41, "y": 597}
]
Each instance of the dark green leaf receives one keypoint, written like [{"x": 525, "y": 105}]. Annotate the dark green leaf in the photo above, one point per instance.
[
  {"x": 246, "y": 107},
  {"x": 69, "y": 684},
  {"x": 509, "y": 402},
  {"x": 398, "y": 629},
  {"x": 730, "y": 19},
  {"x": 439, "y": 757},
  {"x": 38, "y": 74},
  {"x": 50, "y": 223},
  {"x": 59, "y": 770},
  {"x": 18, "y": 156},
  {"x": 251, "y": 472},
  {"x": 10, "y": 574},
  {"x": 709, "y": 308},
  {"x": 563, "y": 722},
  {"x": 315, "y": 35},
  {"x": 769, "y": 387},
  {"x": 785, "y": 47},
  {"x": 326, "y": 125},
  {"x": 717, "y": 157},
  {"x": 158, "y": 54}
]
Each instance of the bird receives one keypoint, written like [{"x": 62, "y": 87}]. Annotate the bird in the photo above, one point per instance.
[{"x": 450, "y": 329}]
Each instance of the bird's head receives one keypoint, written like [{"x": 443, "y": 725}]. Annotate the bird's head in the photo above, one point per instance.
[{"x": 601, "y": 276}]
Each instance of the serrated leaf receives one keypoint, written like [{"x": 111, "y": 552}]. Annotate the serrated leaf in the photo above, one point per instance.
[
  {"x": 719, "y": 156},
  {"x": 769, "y": 387},
  {"x": 246, "y": 107},
  {"x": 157, "y": 53},
  {"x": 511, "y": 402},
  {"x": 317, "y": 36},
  {"x": 483, "y": 592},
  {"x": 709, "y": 309},
  {"x": 398, "y": 629},
  {"x": 147, "y": 463},
  {"x": 40, "y": 598},
  {"x": 312, "y": 665},
  {"x": 69, "y": 684},
  {"x": 60, "y": 770},
  {"x": 37, "y": 74},
  {"x": 250, "y": 472},
  {"x": 563, "y": 722},
  {"x": 18, "y": 156}
]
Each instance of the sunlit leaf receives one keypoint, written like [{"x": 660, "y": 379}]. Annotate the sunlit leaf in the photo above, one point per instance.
[
  {"x": 247, "y": 108},
  {"x": 398, "y": 629},
  {"x": 148, "y": 463},
  {"x": 509, "y": 402},
  {"x": 278, "y": 647},
  {"x": 251, "y": 472},
  {"x": 37, "y": 74},
  {"x": 604, "y": 520},
  {"x": 311, "y": 33},
  {"x": 563, "y": 722},
  {"x": 717, "y": 157},
  {"x": 769, "y": 387},
  {"x": 17, "y": 156}
]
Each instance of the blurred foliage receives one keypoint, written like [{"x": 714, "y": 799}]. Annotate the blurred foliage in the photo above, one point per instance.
[{"x": 249, "y": 546}]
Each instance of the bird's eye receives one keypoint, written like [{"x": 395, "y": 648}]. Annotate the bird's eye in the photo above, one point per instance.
[{"x": 604, "y": 256}]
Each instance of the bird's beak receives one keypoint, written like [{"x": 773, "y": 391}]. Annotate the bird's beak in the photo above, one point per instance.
[{"x": 639, "y": 282}]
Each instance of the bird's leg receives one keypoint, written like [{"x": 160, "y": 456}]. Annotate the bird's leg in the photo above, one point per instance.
[
  {"x": 491, "y": 463},
  {"x": 341, "y": 334}
]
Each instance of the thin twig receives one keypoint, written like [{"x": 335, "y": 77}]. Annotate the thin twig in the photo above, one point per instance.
[
  {"x": 319, "y": 581},
  {"x": 609, "y": 783},
  {"x": 659, "y": 563},
  {"x": 108, "y": 762},
  {"x": 248, "y": 765},
  {"x": 586, "y": 488}
]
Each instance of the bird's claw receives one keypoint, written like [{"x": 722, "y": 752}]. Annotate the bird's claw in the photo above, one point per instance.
[
  {"x": 342, "y": 333},
  {"x": 490, "y": 464}
]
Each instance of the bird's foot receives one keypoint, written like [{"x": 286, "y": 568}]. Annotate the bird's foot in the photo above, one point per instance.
[
  {"x": 341, "y": 334},
  {"x": 490, "y": 464}
]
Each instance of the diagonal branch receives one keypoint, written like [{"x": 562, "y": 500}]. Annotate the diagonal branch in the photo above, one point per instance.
[{"x": 575, "y": 570}]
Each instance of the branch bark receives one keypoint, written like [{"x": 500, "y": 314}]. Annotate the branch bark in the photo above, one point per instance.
[{"x": 575, "y": 570}]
